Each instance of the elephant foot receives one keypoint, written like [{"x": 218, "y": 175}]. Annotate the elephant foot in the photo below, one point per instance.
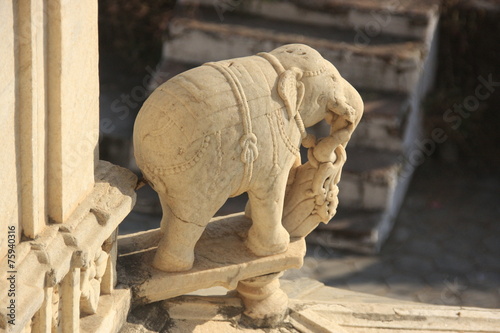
[
  {"x": 167, "y": 262},
  {"x": 266, "y": 244}
]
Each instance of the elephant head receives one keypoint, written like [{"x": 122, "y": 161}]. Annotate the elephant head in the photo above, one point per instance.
[{"x": 312, "y": 89}]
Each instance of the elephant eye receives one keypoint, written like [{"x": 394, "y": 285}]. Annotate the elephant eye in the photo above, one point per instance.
[{"x": 322, "y": 99}]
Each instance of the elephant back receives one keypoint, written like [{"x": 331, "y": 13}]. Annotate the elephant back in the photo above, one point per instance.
[{"x": 179, "y": 119}]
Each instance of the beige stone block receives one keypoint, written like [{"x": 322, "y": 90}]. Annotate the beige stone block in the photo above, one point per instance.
[
  {"x": 73, "y": 103},
  {"x": 31, "y": 110},
  {"x": 8, "y": 163}
]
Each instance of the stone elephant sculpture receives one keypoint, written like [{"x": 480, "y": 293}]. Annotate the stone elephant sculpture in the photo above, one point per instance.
[{"x": 236, "y": 126}]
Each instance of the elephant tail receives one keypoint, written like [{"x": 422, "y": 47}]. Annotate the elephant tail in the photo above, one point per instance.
[
  {"x": 149, "y": 178},
  {"x": 141, "y": 182}
]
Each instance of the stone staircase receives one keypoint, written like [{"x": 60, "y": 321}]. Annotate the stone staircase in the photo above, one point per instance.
[{"x": 385, "y": 49}]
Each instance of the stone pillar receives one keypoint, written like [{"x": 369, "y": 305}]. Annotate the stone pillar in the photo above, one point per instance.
[
  {"x": 31, "y": 114},
  {"x": 42, "y": 322},
  {"x": 9, "y": 207},
  {"x": 70, "y": 298},
  {"x": 110, "y": 279},
  {"x": 73, "y": 103},
  {"x": 49, "y": 92}
]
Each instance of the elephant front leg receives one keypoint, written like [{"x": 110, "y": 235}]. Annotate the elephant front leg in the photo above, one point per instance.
[{"x": 267, "y": 236}]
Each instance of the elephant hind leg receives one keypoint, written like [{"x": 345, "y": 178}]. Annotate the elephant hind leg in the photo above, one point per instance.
[{"x": 175, "y": 251}]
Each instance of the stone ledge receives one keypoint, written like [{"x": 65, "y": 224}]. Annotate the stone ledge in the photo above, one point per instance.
[
  {"x": 222, "y": 259},
  {"x": 48, "y": 258}
]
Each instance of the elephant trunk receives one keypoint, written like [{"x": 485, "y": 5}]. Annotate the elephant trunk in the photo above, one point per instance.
[{"x": 345, "y": 114}]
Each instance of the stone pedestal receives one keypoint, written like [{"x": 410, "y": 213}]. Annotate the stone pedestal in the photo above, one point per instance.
[{"x": 266, "y": 305}]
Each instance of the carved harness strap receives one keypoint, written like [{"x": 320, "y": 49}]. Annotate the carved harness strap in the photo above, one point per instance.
[{"x": 248, "y": 141}]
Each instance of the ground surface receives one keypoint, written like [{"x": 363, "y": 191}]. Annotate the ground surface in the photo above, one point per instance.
[{"x": 445, "y": 248}]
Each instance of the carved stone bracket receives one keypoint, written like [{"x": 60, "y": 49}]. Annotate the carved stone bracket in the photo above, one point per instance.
[
  {"x": 90, "y": 282},
  {"x": 68, "y": 258}
]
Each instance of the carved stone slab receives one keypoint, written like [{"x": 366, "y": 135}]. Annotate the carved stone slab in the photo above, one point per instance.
[{"x": 222, "y": 259}]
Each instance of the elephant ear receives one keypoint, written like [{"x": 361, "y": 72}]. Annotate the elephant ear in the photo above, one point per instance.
[{"x": 291, "y": 90}]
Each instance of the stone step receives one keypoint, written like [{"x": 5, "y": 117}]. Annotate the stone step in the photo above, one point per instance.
[
  {"x": 372, "y": 189},
  {"x": 355, "y": 230},
  {"x": 369, "y": 178},
  {"x": 384, "y": 121},
  {"x": 388, "y": 63},
  {"x": 367, "y": 17}
]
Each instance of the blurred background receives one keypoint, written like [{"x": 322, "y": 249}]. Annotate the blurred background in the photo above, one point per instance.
[{"x": 419, "y": 213}]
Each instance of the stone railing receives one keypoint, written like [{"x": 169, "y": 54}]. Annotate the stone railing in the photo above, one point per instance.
[{"x": 64, "y": 279}]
